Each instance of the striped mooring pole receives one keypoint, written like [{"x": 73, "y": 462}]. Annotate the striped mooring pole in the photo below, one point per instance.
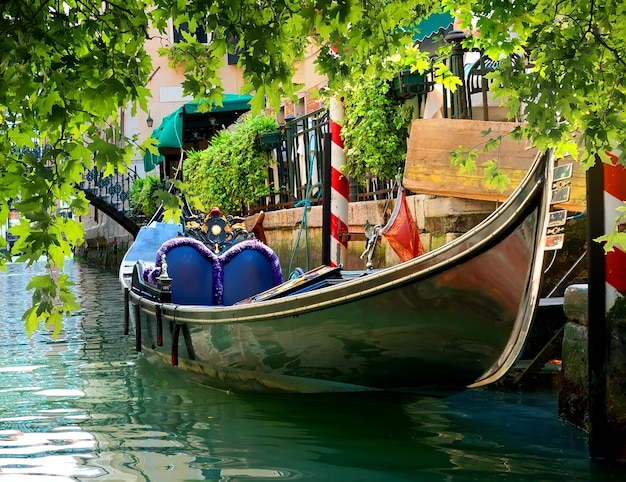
[
  {"x": 606, "y": 272},
  {"x": 340, "y": 187},
  {"x": 614, "y": 177}
]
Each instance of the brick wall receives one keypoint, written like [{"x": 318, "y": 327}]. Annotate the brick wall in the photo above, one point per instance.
[{"x": 307, "y": 104}]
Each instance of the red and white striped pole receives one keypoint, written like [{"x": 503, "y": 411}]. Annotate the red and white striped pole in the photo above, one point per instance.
[
  {"x": 614, "y": 197},
  {"x": 340, "y": 187}
]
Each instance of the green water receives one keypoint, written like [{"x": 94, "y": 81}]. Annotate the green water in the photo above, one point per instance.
[{"x": 86, "y": 407}]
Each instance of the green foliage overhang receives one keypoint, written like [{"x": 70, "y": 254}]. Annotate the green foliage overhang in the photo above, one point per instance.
[{"x": 68, "y": 67}]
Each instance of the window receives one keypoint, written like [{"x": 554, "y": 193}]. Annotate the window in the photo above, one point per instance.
[
  {"x": 301, "y": 107},
  {"x": 234, "y": 57},
  {"x": 200, "y": 33}
]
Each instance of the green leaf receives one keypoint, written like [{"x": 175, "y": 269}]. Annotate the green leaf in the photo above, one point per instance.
[
  {"x": 617, "y": 236},
  {"x": 611, "y": 240},
  {"x": 464, "y": 159},
  {"x": 31, "y": 320},
  {"x": 494, "y": 177}
]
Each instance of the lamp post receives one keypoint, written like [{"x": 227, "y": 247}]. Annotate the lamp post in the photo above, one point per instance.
[{"x": 459, "y": 101}]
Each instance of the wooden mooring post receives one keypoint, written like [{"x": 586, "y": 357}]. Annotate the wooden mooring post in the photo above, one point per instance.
[
  {"x": 606, "y": 335},
  {"x": 596, "y": 326}
]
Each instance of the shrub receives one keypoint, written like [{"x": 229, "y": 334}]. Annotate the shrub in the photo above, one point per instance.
[
  {"x": 232, "y": 172},
  {"x": 142, "y": 195}
]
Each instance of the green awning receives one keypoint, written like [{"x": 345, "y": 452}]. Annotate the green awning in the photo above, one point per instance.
[
  {"x": 435, "y": 23},
  {"x": 230, "y": 103},
  {"x": 150, "y": 161},
  {"x": 170, "y": 133}
]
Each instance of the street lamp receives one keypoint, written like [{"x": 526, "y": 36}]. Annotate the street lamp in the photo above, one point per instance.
[{"x": 149, "y": 120}]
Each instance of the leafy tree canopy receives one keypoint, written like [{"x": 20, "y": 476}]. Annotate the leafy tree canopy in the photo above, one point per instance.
[
  {"x": 67, "y": 67},
  {"x": 272, "y": 36},
  {"x": 563, "y": 69}
]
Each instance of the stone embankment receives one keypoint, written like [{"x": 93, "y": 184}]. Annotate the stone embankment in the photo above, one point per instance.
[
  {"x": 438, "y": 220},
  {"x": 574, "y": 400}
]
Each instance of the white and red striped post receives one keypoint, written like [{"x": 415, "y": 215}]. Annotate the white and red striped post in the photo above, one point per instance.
[
  {"x": 340, "y": 187},
  {"x": 614, "y": 197}
]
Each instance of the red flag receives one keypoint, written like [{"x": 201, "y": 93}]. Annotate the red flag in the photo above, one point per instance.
[{"x": 401, "y": 231}]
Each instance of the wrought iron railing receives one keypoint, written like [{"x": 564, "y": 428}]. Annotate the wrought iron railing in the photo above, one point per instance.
[
  {"x": 297, "y": 174},
  {"x": 113, "y": 190},
  {"x": 297, "y": 170}
]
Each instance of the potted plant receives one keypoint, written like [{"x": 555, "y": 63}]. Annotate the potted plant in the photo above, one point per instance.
[
  {"x": 407, "y": 83},
  {"x": 270, "y": 140}
]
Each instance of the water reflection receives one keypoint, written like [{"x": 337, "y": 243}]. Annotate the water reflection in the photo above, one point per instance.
[{"x": 86, "y": 407}]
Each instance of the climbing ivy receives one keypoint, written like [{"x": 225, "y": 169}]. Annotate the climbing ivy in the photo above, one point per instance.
[
  {"x": 376, "y": 124},
  {"x": 375, "y": 130}
]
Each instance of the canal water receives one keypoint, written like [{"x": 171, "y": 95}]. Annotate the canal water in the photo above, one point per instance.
[{"x": 87, "y": 407}]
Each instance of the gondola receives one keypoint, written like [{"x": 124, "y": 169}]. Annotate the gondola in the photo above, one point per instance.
[{"x": 209, "y": 299}]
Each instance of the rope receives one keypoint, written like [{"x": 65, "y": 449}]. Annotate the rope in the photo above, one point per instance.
[
  {"x": 551, "y": 262},
  {"x": 306, "y": 203},
  {"x": 373, "y": 233}
]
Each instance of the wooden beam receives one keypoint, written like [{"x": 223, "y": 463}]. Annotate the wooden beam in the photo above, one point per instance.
[{"x": 428, "y": 170}]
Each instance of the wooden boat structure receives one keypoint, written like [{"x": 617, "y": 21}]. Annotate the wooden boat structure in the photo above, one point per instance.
[{"x": 455, "y": 317}]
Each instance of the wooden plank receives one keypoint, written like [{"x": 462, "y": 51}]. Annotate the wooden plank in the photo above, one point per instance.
[{"x": 428, "y": 170}]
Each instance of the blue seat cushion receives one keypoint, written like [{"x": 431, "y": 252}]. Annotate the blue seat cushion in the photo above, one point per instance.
[
  {"x": 248, "y": 268},
  {"x": 194, "y": 269}
]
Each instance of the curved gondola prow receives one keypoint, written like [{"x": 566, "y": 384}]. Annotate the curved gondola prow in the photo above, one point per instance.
[
  {"x": 527, "y": 309},
  {"x": 186, "y": 208}
]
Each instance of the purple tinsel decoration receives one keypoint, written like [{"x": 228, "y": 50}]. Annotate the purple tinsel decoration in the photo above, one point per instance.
[{"x": 256, "y": 245}]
